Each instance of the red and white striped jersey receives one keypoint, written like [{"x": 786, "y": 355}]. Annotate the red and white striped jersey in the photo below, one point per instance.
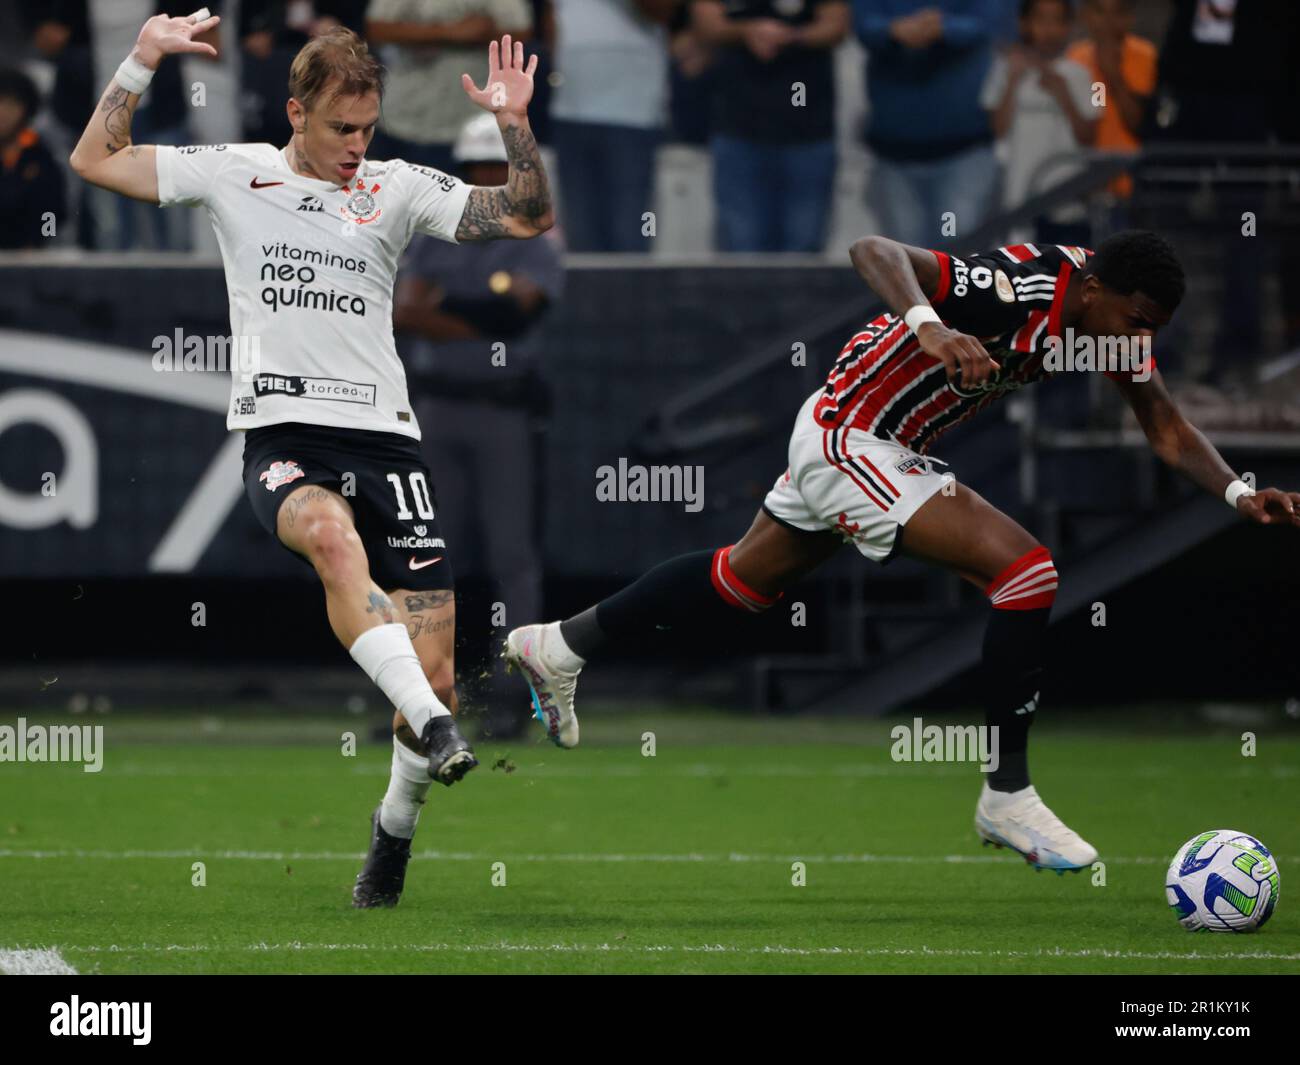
[{"x": 1009, "y": 299}]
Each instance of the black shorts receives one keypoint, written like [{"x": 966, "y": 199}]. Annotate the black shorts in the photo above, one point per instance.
[{"x": 383, "y": 478}]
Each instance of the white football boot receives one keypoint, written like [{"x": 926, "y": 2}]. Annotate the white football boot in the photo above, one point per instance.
[
  {"x": 552, "y": 675},
  {"x": 1021, "y": 820}
]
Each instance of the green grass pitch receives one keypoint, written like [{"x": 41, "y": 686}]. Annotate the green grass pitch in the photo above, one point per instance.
[{"x": 617, "y": 862}]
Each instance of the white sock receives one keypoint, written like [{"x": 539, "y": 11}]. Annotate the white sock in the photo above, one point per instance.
[
  {"x": 408, "y": 785},
  {"x": 389, "y": 659},
  {"x": 562, "y": 656}
]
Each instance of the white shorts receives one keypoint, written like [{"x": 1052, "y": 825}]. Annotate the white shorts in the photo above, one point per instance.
[{"x": 852, "y": 483}]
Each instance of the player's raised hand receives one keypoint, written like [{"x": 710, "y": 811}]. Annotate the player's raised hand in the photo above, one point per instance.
[
  {"x": 1271, "y": 506},
  {"x": 509, "y": 82},
  {"x": 959, "y": 353},
  {"x": 163, "y": 35}
]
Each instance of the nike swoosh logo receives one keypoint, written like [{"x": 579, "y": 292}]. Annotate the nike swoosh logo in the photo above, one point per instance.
[
  {"x": 255, "y": 184},
  {"x": 420, "y": 565}
]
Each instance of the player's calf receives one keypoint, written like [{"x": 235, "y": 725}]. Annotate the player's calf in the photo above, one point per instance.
[{"x": 1021, "y": 596}]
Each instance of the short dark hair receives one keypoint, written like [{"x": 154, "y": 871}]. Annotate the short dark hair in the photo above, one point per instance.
[
  {"x": 15, "y": 85},
  {"x": 1137, "y": 259}
]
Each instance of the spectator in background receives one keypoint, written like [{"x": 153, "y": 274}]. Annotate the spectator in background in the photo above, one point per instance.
[
  {"x": 1224, "y": 73},
  {"x": 1126, "y": 66},
  {"x": 692, "y": 75},
  {"x": 773, "y": 125},
  {"x": 472, "y": 314},
  {"x": 86, "y": 40},
  {"x": 433, "y": 43},
  {"x": 542, "y": 46},
  {"x": 13, "y": 36},
  {"x": 1040, "y": 104},
  {"x": 608, "y": 113},
  {"x": 31, "y": 183},
  {"x": 270, "y": 34},
  {"x": 931, "y": 139}
]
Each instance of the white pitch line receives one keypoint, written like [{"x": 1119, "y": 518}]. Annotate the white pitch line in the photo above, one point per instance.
[
  {"x": 37, "y": 962},
  {"x": 296, "y": 946},
  {"x": 482, "y": 856},
  {"x": 549, "y": 771},
  {"x": 690, "y": 771}
]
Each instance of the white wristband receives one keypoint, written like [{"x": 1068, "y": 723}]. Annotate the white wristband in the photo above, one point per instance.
[
  {"x": 1235, "y": 491},
  {"x": 919, "y": 315},
  {"x": 133, "y": 75}
]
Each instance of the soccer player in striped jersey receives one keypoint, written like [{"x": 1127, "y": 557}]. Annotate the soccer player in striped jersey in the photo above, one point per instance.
[{"x": 962, "y": 332}]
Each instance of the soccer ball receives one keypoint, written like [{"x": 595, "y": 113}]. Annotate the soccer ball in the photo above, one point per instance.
[{"x": 1222, "y": 880}]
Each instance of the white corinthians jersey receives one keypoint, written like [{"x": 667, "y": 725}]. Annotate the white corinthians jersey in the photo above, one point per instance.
[{"x": 309, "y": 274}]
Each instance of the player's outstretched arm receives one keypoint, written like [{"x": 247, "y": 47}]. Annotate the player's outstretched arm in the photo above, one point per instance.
[
  {"x": 522, "y": 206},
  {"x": 1182, "y": 446},
  {"x": 104, "y": 155},
  {"x": 905, "y": 277}
]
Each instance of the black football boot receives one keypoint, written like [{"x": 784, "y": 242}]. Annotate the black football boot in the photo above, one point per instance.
[
  {"x": 380, "y": 881},
  {"x": 450, "y": 755}
]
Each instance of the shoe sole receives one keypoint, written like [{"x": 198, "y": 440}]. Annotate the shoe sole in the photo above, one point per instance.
[
  {"x": 988, "y": 836},
  {"x": 455, "y": 767}
]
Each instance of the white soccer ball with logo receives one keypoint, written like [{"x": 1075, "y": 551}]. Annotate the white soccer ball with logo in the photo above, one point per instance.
[{"x": 1223, "y": 881}]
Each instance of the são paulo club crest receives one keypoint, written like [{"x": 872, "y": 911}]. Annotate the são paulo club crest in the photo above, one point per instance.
[
  {"x": 279, "y": 473},
  {"x": 362, "y": 207}
]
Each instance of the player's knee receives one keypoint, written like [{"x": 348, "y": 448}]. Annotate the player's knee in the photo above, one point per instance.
[
  {"x": 732, "y": 590},
  {"x": 1027, "y": 583},
  {"x": 333, "y": 547}
]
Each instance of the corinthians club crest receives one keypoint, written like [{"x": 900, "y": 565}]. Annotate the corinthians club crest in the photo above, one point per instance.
[{"x": 362, "y": 207}]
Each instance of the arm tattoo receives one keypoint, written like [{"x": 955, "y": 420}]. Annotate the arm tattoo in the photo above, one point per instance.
[
  {"x": 526, "y": 197},
  {"x": 380, "y": 604},
  {"x": 117, "y": 111}
]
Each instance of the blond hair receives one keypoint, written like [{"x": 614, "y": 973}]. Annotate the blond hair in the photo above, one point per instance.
[{"x": 338, "y": 60}]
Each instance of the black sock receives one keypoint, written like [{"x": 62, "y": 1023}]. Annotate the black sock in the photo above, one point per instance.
[
  {"x": 1014, "y": 650},
  {"x": 582, "y": 633},
  {"x": 677, "y": 595}
]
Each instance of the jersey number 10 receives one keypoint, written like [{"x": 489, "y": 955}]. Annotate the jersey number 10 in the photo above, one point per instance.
[{"x": 420, "y": 492}]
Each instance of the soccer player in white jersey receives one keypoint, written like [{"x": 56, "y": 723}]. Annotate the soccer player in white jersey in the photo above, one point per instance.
[{"x": 310, "y": 236}]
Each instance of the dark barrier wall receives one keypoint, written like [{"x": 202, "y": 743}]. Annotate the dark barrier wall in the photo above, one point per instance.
[
  {"x": 147, "y": 483},
  {"x": 146, "y": 477}
]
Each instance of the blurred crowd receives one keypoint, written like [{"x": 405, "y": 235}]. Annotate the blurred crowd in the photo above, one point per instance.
[{"x": 971, "y": 105}]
